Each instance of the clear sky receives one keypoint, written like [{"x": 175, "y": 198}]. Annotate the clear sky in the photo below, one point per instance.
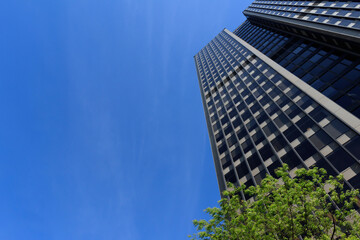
[{"x": 103, "y": 134}]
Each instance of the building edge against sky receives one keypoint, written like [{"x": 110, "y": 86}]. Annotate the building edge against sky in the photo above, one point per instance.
[{"x": 284, "y": 87}]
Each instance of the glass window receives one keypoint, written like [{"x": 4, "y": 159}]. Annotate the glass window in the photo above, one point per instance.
[
  {"x": 355, "y": 93},
  {"x": 319, "y": 85},
  {"x": 266, "y": 152},
  {"x": 248, "y": 184},
  {"x": 291, "y": 159},
  {"x": 355, "y": 14},
  {"x": 294, "y": 91},
  {"x": 242, "y": 170},
  {"x": 281, "y": 120},
  {"x": 254, "y": 161},
  {"x": 355, "y": 181},
  {"x": 230, "y": 176},
  {"x": 261, "y": 117},
  {"x": 292, "y": 133},
  {"x": 232, "y": 113},
  {"x": 272, "y": 109},
  {"x": 226, "y": 161},
  {"x": 232, "y": 140},
  {"x": 260, "y": 176},
  {"x": 228, "y": 129},
  {"x": 341, "y": 159},
  {"x": 279, "y": 142},
  {"x": 345, "y": 22},
  {"x": 255, "y": 107},
  {"x": 236, "y": 153},
  {"x": 237, "y": 122},
  {"x": 338, "y": 68},
  {"x": 336, "y": 128},
  {"x": 283, "y": 100},
  {"x": 320, "y": 139},
  {"x": 247, "y": 145},
  {"x": 224, "y": 120},
  {"x": 329, "y": 77},
  {"x": 291, "y": 67},
  {"x": 222, "y": 148},
  {"x": 343, "y": 84},
  {"x": 269, "y": 129},
  {"x": 307, "y": 78},
  {"x": 356, "y": 112},
  {"x": 347, "y": 102},
  {"x": 214, "y": 118},
  {"x": 316, "y": 57},
  {"x": 305, "y": 123},
  {"x": 317, "y": 70},
  {"x": 327, "y": 62},
  {"x": 297, "y": 50},
  {"x": 353, "y": 75},
  {"x": 353, "y": 146},
  {"x": 305, "y": 150},
  {"x": 251, "y": 125},
  {"x": 319, "y": 113},
  {"x": 305, "y": 102},
  {"x": 246, "y": 114},
  {"x": 284, "y": 84},
  {"x": 306, "y": 53},
  {"x": 322, "y": 163},
  {"x": 219, "y": 136},
  {"x": 332, "y": 93},
  {"x": 275, "y": 92},
  {"x": 299, "y": 72},
  {"x": 250, "y": 99},
  {"x": 275, "y": 165},
  {"x": 258, "y": 136}
]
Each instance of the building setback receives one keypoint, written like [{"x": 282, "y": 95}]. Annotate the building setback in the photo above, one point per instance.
[{"x": 284, "y": 87}]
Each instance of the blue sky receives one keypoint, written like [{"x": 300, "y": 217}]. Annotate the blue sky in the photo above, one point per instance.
[{"x": 103, "y": 134}]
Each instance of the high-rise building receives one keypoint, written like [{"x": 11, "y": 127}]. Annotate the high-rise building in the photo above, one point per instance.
[{"x": 284, "y": 87}]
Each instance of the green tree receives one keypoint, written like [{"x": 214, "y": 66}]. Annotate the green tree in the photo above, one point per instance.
[{"x": 285, "y": 208}]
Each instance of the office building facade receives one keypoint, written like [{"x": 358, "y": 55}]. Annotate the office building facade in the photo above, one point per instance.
[{"x": 284, "y": 87}]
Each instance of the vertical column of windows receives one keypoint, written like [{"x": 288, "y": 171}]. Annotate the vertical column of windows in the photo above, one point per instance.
[
  {"x": 223, "y": 146},
  {"x": 254, "y": 159},
  {"x": 211, "y": 112},
  {"x": 242, "y": 165}
]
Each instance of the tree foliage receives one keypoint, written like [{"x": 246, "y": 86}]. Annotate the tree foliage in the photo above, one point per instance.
[{"x": 285, "y": 208}]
